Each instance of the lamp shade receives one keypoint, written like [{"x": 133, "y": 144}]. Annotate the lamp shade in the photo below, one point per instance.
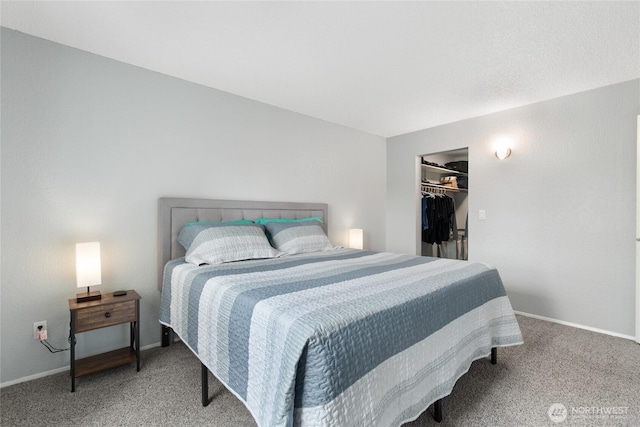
[
  {"x": 356, "y": 238},
  {"x": 503, "y": 146},
  {"x": 88, "y": 270}
]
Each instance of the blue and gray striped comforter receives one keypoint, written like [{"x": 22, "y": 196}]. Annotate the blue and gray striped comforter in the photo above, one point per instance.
[{"x": 341, "y": 337}]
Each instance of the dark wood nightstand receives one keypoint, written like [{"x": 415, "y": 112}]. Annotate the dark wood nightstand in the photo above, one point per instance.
[{"x": 102, "y": 313}]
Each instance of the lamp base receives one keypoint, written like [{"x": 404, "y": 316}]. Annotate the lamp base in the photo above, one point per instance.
[{"x": 88, "y": 296}]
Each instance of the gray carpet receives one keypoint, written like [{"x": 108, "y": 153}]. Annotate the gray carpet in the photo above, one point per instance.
[{"x": 591, "y": 374}]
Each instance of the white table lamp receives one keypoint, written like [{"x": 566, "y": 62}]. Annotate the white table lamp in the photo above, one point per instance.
[
  {"x": 88, "y": 270},
  {"x": 356, "y": 238}
]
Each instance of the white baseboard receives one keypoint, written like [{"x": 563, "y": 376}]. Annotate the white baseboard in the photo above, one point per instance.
[
  {"x": 56, "y": 371},
  {"x": 575, "y": 325},
  {"x": 35, "y": 376}
]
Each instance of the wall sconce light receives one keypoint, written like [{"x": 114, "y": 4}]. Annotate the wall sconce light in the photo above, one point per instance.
[
  {"x": 356, "y": 238},
  {"x": 88, "y": 270},
  {"x": 502, "y": 146}
]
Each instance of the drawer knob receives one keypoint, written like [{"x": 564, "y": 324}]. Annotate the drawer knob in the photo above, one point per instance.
[{"x": 107, "y": 315}]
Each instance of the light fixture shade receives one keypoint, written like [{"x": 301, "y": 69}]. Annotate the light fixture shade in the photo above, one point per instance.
[
  {"x": 503, "y": 153},
  {"x": 356, "y": 238},
  {"x": 503, "y": 146},
  {"x": 88, "y": 269}
]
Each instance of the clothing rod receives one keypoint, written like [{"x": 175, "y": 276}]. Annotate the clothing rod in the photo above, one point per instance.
[{"x": 431, "y": 188}]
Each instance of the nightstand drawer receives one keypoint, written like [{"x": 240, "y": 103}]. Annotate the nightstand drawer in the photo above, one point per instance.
[{"x": 102, "y": 316}]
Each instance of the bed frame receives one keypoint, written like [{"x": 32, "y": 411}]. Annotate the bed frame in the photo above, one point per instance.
[{"x": 174, "y": 213}]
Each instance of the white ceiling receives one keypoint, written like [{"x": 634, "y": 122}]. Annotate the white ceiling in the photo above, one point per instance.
[{"x": 386, "y": 68}]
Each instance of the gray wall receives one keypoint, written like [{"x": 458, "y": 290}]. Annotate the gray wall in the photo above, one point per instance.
[
  {"x": 89, "y": 144},
  {"x": 560, "y": 211}
]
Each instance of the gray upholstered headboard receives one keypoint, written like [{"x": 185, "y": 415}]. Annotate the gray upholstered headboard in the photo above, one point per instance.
[{"x": 174, "y": 213}]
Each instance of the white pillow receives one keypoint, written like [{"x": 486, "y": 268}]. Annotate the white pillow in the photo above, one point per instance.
[{"x": 217, "y": 245}]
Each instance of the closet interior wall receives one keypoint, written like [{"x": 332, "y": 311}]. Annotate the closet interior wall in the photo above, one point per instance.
[{"x": 450, "y": 249}]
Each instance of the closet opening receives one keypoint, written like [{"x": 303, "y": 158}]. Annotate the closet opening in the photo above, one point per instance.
[{"x": 443, "y": 204}]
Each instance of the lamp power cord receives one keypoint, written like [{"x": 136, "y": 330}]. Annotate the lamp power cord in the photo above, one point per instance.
[{"x": 51, "y": 348}]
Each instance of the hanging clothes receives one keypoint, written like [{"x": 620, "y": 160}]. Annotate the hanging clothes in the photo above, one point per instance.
[
  {"x": 425, "y": 217},
  {"x": 438, "y": 218}
]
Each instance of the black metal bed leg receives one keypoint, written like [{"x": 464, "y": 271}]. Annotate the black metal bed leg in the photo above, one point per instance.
[
  {"x": 437, "y": 410},
  {"x": 167, "y": 336},
  {"x": 437, "y": 405},
  {"x": 205, "y": 384}
]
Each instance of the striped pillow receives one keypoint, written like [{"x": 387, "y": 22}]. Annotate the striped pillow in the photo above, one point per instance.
[
  {"x": 217, "y": 245},
  {"x": 192, "y": 229},
  {"x": 298, "y": 237}
]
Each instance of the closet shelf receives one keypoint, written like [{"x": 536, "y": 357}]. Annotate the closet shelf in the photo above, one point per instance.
[{"x": 445, "y": 170}]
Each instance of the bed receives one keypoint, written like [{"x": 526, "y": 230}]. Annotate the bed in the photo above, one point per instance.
[{"x": 329, "y": 336}]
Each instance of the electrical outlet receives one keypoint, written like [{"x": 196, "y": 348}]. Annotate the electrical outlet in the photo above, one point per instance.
[{"x": 36, "y": 331}]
